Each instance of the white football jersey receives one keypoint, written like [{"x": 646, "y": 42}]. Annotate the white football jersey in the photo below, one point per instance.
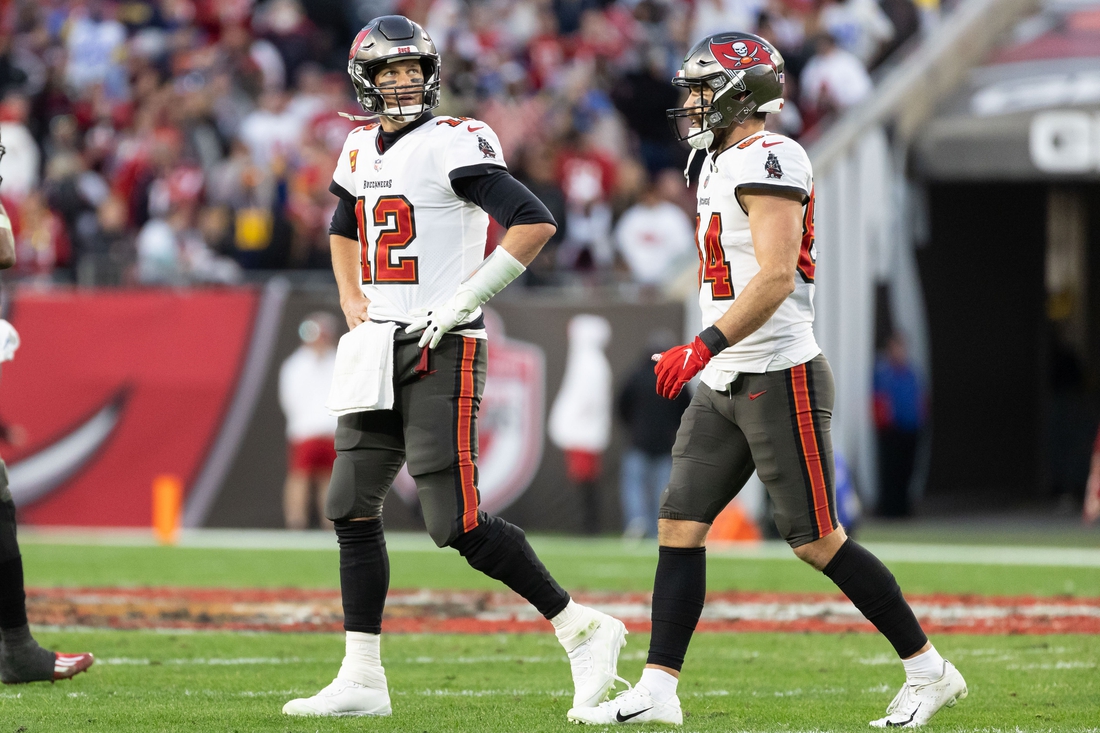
[
  {"x": 417, "y": 239},
  {"x": 762, "y": 162}
]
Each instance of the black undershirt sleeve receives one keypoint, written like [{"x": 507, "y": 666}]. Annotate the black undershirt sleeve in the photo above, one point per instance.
[
  {"x": 493, "y": 189},
  {"x": 343, "y": 220}
]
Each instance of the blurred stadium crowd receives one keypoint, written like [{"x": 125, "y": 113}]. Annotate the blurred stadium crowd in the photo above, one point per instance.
[{"x": 183, "y": 141}]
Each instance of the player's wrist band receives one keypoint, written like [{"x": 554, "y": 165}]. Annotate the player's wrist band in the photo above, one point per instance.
[
  {"x": 714, "y": 340},
  {"x": 498, "y": 269}
]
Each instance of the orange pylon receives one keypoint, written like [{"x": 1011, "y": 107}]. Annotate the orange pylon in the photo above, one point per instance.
[
  {"x": 167, "y": 501},
  {"x": 734, "y": 525}
]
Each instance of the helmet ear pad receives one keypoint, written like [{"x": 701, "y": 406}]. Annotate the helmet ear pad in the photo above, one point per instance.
[{"x": 735, "y": 105}]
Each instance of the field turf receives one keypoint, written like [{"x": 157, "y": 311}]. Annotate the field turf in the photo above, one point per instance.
[
  {"x": 577, "y": 565},
  {"x": 149, "y": 681},
  {"x": 220, "y": 681}
]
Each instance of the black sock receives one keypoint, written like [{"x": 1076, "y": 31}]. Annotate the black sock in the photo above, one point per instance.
[
  {"x": 679, "y": 590},
  {"x": 501, "y": 551},
  {"x": 364, "y": 574},
  {"x": 22, "y": 659},
  {"x": 872, "y": 588},
  {"x": 13, "y": 600}
]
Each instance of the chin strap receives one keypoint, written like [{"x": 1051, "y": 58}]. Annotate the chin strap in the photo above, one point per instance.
[{"x": 687, "y": 168}]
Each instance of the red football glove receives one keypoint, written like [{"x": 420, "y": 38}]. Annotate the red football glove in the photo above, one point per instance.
[{"x": 678, "y": 365}]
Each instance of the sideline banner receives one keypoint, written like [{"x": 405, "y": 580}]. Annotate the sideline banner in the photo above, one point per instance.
[
  {"x": 116, "y": 387},
  {"x": 113, "y": 388},
  {"x": 522, "y": 474}
]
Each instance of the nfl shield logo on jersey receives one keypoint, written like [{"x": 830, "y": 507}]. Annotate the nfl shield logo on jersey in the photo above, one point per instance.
[
  {"x": 378, "y": 164},
  {"x": 771, "y": 166},
  {"x": 509, "y": 423}
]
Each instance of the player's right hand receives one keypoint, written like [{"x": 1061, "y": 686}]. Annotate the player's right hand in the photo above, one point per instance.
[
  {"x": 355, "y": 309},
  {"x": 677, "y": 366}
]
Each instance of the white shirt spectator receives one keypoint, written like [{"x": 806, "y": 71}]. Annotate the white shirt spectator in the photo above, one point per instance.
[
  {"x": 651, "y": 237},
  {"x": 19, "y": 166},
  {"x": 158, "y": 256},
  {"x": 267, "y": 133},
  {"x": 304, "y": 381},
  {"x": 270, "y": 61},
  {"x": 581, "y": 416},
  {"x": 836, "y": 79},
  {"x": 93, "y": 50},
  {"x": 859, "y": 26},
  {"x": 721, "y": 16}
]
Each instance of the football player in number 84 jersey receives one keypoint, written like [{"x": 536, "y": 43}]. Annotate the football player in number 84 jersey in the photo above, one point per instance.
[
  {"x": 766, "y": 393},
  {"x": 408, "y": 240}
]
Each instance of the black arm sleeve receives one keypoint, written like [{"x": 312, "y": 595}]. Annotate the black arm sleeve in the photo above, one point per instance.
[
  {"x": 500, "y": 195},
  {"x": 343, "y": 220}
]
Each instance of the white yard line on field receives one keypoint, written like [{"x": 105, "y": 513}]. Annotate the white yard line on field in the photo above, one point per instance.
[
  {"x": 261, "y": 539},
  {"x": 204, "y": 662}
]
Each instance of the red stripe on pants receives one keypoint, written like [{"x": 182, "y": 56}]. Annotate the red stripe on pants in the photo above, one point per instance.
[
  {"x": 811, "y": 451},
  {"x": 466, "y": 434}
]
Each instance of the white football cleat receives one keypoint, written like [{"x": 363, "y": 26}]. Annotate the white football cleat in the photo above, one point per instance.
[
  {"x": 342, "y": 698},
  {"x": 915, "y": 704},
  {"x": 631, "y": 706},
  {"x": 595, "y": 660}
]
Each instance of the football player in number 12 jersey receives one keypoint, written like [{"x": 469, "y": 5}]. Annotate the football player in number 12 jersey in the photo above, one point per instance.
[
  {"x": 408, "y": 241},
  {"x": 766, "y": 394}
]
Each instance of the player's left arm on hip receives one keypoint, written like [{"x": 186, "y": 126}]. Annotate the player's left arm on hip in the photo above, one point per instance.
[
  {"x": 775, "y": 221},
  {"x": 528, "y": 222}
]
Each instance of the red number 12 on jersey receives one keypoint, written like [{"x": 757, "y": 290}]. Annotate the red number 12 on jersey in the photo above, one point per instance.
[{"x": 395, "y": 213}]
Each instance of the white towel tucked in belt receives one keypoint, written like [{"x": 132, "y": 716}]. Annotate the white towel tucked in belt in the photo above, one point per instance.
[{"x": 363, "y": 377}]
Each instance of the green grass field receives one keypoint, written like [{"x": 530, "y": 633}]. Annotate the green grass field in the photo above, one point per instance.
[
  {"x": 577, "y": 564},
  {"x": 760, "y": 682},
  {"x": 160, "y": 681}
]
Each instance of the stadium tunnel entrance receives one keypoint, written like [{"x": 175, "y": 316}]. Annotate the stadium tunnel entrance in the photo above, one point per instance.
[
  {"x": 1011, "y": 276},
  {"x": 1010, "y": 270}
]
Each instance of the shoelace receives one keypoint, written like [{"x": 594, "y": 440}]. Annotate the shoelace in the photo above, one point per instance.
[
  {"x": 615, "y": 700},
  {"x": 583, "y": 658},
  {"x": 900, "y": 699},
  {"x": 335, "y": 687}
]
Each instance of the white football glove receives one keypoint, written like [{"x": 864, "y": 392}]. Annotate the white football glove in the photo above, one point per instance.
[
  {"x": 441, "y": 320},
  {"x": 498, "y": 269}
]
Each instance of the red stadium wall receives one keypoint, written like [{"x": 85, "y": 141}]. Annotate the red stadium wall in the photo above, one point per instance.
[{"x": 140, "y": 378}]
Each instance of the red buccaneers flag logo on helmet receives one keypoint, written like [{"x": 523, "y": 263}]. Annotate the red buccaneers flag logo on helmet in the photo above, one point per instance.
[
  {"x": 359, "y": 38},
  {"x": 741, "y": 54}
]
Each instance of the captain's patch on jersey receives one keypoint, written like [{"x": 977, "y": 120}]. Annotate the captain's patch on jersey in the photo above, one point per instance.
[
  {"x": 351, "y": 157},
  {"x": 485, "y": 148},
  {"x": 771, "y": 167}
]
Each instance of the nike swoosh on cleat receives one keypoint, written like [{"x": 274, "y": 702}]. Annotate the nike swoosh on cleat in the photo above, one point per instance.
[
  {"x": 907, "y": 722},
  {"x": 623, "y": 718}
]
